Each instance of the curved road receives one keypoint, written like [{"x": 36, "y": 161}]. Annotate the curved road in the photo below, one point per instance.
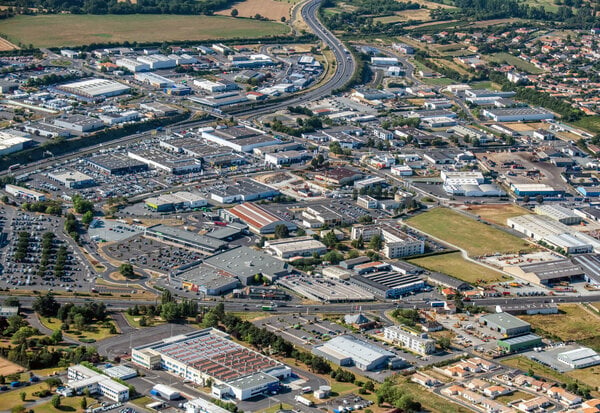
[{"x": 344, "y": 66}]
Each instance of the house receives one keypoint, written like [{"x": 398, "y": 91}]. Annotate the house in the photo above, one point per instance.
[
  {"x": 564, "y": 397},
  {"x": 425, "y": 380}
]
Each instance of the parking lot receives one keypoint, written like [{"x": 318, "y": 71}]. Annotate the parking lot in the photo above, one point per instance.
[
  {"x": 34, "y": 253},
  {"x": 151, "y": 254},
  {"x": 109, "y": 230},
  {"x": 325, "y": 289},
  {"x": 303, "y": 330}
]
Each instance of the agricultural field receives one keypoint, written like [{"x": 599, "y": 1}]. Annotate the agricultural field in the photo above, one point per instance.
[
  {"x": 8, "y": 367},
  {"x": 498, "y": 214},
  {"x": 6, "y": 45},
  {"x": 73, "y": 30},
  {"x": 573, "y": 323},
  {"x": 271, "y": 9},
  {"x": 456, "y": 266},
  {"x": 474, "y": 237},
  {"x": 514, "y": 61}
]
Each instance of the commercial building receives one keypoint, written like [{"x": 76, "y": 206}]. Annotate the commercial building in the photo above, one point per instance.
[
  {"x": 72, "y": 179},
  {"x": 120, "y": 372},
  {"x": 244, "y": 263},
  {"x": 412, "y": 340},
  {"x": 547, "y": 273},
  {"x": 579, "y": 358},
  {"x": 209, "y": 354},
  {"x": 333, "y": 271},
  {"x": 520, "y": 343},
  {"x": 348, "y": 350},
  {"x": 115, "y": 164},
  {"x": 173, "y": 163},
  {"x": 528, "y": 309},
  {"x": 207, "y": 280},
  {"x": 239, "y": 138},
  {"x": 319, "y": 215},
  {"x": 94, "y": 88},
  {"x": 20, "y": 192},
  {"x": 157, "y": 61},
  {"x": 154, "y": 80},
  {"x": 590, "y": 264},
  {"x": 533, "y": 190},
  {"x": 116, "y": 118},
  {"x": 558, "y": 213},
  {"x": 185, "y": 238},
  {"x": 202, "y": 406},
  {"x": 296, "y": 247},
  {"x": 287, "y": 157},
  {"x": 339, "y": 176},
  {"x": 258, "y": 219},
  {"x": 79, "y": 123},
  {"x": 82, "y": 378},
  {"x": 8, "y": 312},
  {"x": 132, "y": 65},
  {"x": 388, "y": 284},
  {"x": 178, "y": 200},
  {"x": 517, "y": 114},
  {"x": 243, "y": 190},
  {"x": 506, "y": 324},
  {"x": 10, "y": 143},
  {"x": 396, "y": 243}
]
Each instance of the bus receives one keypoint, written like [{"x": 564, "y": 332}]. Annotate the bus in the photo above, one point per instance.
[
  {"x": 268, "y": 308},
  {"x": 14, "y": 167}
]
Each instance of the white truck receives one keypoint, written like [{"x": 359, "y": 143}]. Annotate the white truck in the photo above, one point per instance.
[{"x": 304, "y": 401}]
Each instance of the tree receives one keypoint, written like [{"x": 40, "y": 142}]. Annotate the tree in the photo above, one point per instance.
[
  {"x": 282, "y": 231},
  {"x": 333, "y": 257},
  {"x": 57, "y": 336},
  {"x": 369, "y": 385},
  {"x": 12, "y": 302},
  {"x": 83, "y": 403},
  {"x": 46, "y": 305},
  {"x": 87, "y": 217},
  {"x": 336, "y": 148},
  {"x": 126, "y": 270},
  {"x": 444, "y": 342},
  {"x": 330, "y": 240},
  {"x": 539, "y": 199},
  {"x": 22, "y": 396},
  {"x": 81, "y": 206},
  {"x": 55, "y": 401},
  {"x": 234, "y": 12},
  {"x": 283, "y": 19},
  {"x": 18, "y": 409},
  {"x": 376, "y": 242}
]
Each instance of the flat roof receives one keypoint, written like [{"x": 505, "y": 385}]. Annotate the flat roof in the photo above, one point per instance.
[
  {"x": 349, "y": 346},
  {"x": 579, "y": 355},
  {"x": 186, "y": 236},
  {"x": 254, "y": 380},
  {"x": 553, "y": 269},
  {"x": 521, "y": 339},
  {"x": 254, "y": 215},
  {"x": 505, "y": 320},
  {"x": 246, "y": 262}
]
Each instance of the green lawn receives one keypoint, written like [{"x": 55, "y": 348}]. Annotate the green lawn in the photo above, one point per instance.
[
  {"x": 466, "y": 233},
  {"x": 438, "y": 81},
  {"x": 67, "y": 404},
  {"x": 430, "y": 401},
  {"x": 73, "y": 30},
  {"x": 514, "y": 61},
  {"x": 96, "y": 333},
  {"x": 13, "y": 397},
  {"x": 134, "y": 321},
  {"x": 455, "y": 265}
]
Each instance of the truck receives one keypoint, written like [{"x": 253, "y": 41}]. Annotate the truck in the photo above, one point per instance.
[
  {"x": 268, "y": 308},
  {"x": 437, "y": 304},
  {"x": 15, "y": 384},
  {"x": 304, "y": 401},
  {"x": 306, "y": 389}
]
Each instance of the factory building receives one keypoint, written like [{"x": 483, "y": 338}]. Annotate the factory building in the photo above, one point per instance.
[
  {"x": 154, "y": 80},
  {"x": 388, "y": 284},
  {"x": 296, "y": 247},
  {"x": 547, "y": 273},
  {"x": 157, "y": 61},
  {"x": 558, "y": 213},
  {"x": 520, "y": 343},
  {"x": 579, "y": 358},
  {"x": 258, "y": 219},
  {"x": 348, "y": 350},
  {"x": 79, "y": 123},
  {"x": 517, "y": 114},
  {"x": 132, "y": 65},
  {"x": 82, "y": 378},
  {"x": 72, "y": 179},
  {"x": 590, "y": 264},
  {"x": 186, "y": 239},
  {"x": 535, "y": 190},
  {"x": 24, "y": 193},
  {"x": 10, "y": 143},
  {"x": 412, "y": 340},
  {"x": 94, "y": 88},
  {"x": 506, "y": 324},
  {"x": 209, "y": 354}
]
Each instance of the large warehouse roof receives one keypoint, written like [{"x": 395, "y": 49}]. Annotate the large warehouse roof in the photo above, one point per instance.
[
  {"x": 504, "y": 320},
  {"x": 256, "y": 216},
  {"x": 361, "y": 352},
  {"x": 580, "y": 356},
  {"x": 95, "y": 88}
]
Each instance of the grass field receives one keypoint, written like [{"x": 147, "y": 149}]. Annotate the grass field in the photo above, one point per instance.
[
  {"x": 473, "y": 236},
  {"x": 573, "y": 323},
  {"x": 67, "y": 404},
  {"x": 72, "y": 30},
  {"x": 134, "y": 321},
  {"x": 271, "y": 9},
  {"x": 498, "y": 214},
  {"x": 585, "y": 376},
  {"x": 97, "y": 333},
  {"x": 589, "y": 123},
  {"x": 13, "y": 397},
  {"x": 518, "y": 395},
  {"x": 515, "y": 61},
  {"x": 455, "y": 265},
  {"x": 430, "y": 401},
  {"x": 438, "y": 81}
]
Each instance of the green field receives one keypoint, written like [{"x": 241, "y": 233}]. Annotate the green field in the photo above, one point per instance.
[
  {"x": 438, "y": 81},
  {"x": 73, "y": 30},
  {"x": 474, "y": 237},
  {"x": 95, "y": 332},
  {"x": 514, "y": 61},
  {"x": 455, "y": 265},
  {"x": 589, "y": 123}
]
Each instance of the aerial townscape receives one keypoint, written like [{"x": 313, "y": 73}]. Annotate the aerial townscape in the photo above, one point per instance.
[{"x": 300, "y": 206}]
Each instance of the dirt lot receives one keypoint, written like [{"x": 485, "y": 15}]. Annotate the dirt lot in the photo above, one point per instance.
[
  {"x": 550, "y": 174},
  {"x": 7, "y": 367},
  {"x": 271, "y": 9},
  {"x": 6, "y": 45}
]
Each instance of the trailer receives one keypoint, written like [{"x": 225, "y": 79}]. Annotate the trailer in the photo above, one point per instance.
[{"x": 304, "y": 401}]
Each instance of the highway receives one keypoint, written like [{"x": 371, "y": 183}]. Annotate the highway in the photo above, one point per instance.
[{"x": 344, "y": 68}]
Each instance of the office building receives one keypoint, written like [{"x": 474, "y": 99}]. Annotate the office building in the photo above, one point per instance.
[
  {"x": 82, "y": 378},
  {"x": 412, "y": 340}
]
